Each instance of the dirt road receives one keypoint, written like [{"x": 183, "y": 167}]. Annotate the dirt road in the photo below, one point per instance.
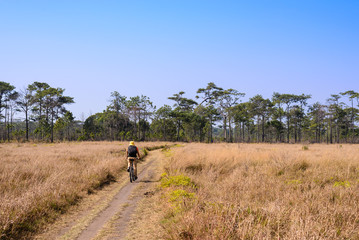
[{"x": 107, "y": 214}]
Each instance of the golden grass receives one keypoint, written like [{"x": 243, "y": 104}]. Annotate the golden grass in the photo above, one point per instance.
[
  {"x": 40, "y": 181},
  {"x": 264, "y": 191}
]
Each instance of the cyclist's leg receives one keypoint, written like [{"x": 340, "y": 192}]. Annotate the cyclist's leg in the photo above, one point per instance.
[
  {"x": 135, "y": 167},
  {"x": 128, "y": 164}
]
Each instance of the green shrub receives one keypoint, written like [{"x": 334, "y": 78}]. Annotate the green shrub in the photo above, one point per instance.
[
  {"x": 179, "y": 194},
  {"x": 342, "y": 184},
  {"x": 179, "y": 180},
  {"x": 295, "y": 181},
  {"x": 167, "y": 152},
  {"x": 144, "y": 152}
]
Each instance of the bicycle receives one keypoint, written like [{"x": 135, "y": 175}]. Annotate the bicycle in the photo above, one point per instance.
[{"x": 132, "y": 173}]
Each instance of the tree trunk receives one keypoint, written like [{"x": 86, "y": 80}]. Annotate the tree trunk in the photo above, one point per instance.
[
  {"x": 178, "y": 130},
  {"x": 139, "y": 125},
  {"x": 11, "y": 121},
  {"x": 281, "y": 124},
  {"x": 235, "y": 133},
  {"x": 331, "y": 132},
  {"x": 263, "y": 128},
  {"x": 243, "y": 132},
  {"x": 6, "y": 128},
  {"x": 352, "y": 122},
  {"x": 9, "y": 126},
  {"x": 225, "y": 128},
  {"x": 328, "y": 132},
  {"x": 258, "y": 129},
  {"x": 52, "y": 128},
  {"x": 288, "y": 133},
  {"x": 211, "y": 133},
  {"x": 27, "y": 124},
  {"x": 230, "y": 129},
  {"x": 164, "y": 129}
]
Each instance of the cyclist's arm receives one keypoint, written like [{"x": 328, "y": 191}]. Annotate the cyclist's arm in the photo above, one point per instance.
[{"x": 138, "y": 153}]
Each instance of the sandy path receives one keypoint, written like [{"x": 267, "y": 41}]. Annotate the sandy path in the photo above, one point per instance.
[
  {"x": 123, "y": 204},
  {"x": 123, "y": 198},
  {"x": 106, "y": 215}
]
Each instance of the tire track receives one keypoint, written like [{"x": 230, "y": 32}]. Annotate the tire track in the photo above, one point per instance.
[{"x": 122, "y": 206}]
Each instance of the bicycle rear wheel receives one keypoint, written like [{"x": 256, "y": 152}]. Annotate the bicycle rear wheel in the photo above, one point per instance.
[{"x": 132, "y": 175}]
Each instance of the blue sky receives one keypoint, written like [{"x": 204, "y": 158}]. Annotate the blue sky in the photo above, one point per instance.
[{"x": 158, "y": 48}]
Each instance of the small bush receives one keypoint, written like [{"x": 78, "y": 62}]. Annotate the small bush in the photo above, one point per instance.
[
  {"x": 295, "y": 181},
  {"x": 179, "y": 194},
  {"x": 144, "y": 152},
  {"x": 179, "y": 180},
  {"x": 301, "y": 166},
  {"x": 280, "y": 172},
  {"x": 195, "y": 168},
  {"x": 342, "y": 184},
  {"x": 167, "y": 152}
]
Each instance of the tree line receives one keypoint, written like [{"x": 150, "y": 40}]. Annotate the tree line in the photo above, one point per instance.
[
  {"x": 43, "y": 107},
  {"x": 215, "y": 115}
]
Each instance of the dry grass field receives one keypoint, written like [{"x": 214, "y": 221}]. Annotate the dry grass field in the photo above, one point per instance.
[
  {"x": 40, "y": 181},
  {"x": 257, "y": 191},
  {"x": 216, "y": 191}
]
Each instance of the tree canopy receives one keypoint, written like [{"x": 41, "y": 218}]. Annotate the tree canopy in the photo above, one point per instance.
[{"x": 215, "y": 115}]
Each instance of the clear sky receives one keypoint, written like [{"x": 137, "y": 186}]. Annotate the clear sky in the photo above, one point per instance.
[{"x": 160, "y": 47}]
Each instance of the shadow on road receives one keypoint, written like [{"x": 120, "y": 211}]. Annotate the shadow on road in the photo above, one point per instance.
[{"x": 148, "y": 181}]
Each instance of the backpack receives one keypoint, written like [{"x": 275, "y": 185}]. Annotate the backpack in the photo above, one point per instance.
[{"x": 132, "y": 151}]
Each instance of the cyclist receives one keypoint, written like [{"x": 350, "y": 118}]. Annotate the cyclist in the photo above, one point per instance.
[{"x": 131, "y": 153}]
